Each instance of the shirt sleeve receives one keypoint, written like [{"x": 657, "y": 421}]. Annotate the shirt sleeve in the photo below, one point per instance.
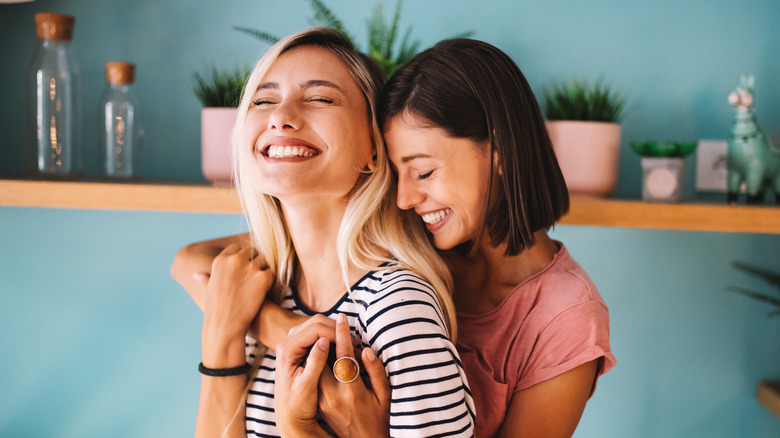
[
  {"x": 404, "y": 327},
  {"x": 573, "y": 337}
]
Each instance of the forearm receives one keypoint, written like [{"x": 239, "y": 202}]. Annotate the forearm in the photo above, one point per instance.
[
  {"x": 273, "y": 323},
  {"x": 221, "y": 405}
]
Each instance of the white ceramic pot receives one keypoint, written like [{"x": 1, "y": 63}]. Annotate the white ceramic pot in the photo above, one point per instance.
[
  {"x": 662, "y": 179},
  {"x": 588, "y": 154},
  {"x": 216, "y": 127}
]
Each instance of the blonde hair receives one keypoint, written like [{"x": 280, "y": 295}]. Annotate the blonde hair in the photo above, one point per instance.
[{"x": 372, "y": 225}]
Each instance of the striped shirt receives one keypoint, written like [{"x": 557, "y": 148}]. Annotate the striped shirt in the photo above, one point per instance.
[{"x": 397, "y": 315}]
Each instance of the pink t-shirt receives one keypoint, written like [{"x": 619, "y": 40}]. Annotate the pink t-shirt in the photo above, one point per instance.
[{"x": 549, "y": 324}]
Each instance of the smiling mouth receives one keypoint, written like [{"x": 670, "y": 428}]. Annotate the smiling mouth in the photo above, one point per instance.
[
  {"x": 275, "y": 151},
  {"x": 436, "y": 216}
]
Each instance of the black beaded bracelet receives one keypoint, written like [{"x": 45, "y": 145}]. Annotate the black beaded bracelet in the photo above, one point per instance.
[{"x": 224, "y": 372}]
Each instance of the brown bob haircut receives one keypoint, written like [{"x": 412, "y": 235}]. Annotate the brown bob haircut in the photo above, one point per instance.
[{"x": 473, "y": 90}]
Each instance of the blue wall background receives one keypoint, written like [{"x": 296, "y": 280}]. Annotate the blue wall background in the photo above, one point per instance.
[{"x": 97, "y": 340}]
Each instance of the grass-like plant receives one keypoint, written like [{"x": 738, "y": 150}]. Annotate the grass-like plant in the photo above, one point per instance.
[
  {"x": 220, "y": 88},
  {"x": 580, "y": 100},
  {"x": 382, "y": 35},
  {"x": 772, "y": 278}
]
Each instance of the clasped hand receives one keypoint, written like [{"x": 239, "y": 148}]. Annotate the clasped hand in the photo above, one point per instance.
[
  {"x": 306, "y": 386},
  {"x": 236, "y": 289}
]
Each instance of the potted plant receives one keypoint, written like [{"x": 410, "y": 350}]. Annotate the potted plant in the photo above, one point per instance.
[
  {"x": 382, "y": 35},
  {"x": 583, "y": 120},
  {"x": 219, "y": 91},
  {"x": 663, "y": 168}
]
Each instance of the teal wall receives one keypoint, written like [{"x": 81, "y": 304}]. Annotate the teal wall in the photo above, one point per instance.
[{"x": 97, "y": 340}]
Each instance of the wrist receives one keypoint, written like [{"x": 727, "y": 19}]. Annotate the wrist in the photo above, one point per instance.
[
  {"x": 274, "y": 323},
  {"x": 302, "y": 429},
  {"x": 221, "y": 350}
]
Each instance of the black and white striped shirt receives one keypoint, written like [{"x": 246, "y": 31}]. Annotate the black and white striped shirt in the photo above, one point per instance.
[{"x": 395, "y": 313}]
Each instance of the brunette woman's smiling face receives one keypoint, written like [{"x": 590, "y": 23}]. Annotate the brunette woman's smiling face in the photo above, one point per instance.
[
  {"x": 308, "y": 126},
  {"x": 443, "y": 178}
]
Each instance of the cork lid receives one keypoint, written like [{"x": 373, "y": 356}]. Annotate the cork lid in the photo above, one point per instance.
[
  {"x": 54, "y": 27},
  {"x": 120, "y": 73}
]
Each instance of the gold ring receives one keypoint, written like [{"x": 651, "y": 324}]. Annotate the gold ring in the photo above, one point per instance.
[{"x": 346, "y": 369}]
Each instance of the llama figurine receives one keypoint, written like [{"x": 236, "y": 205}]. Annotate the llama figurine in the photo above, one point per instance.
[{"x": 751, "y": 158}]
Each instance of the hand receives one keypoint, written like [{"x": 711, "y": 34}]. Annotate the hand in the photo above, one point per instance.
[
  {"x": 300, "y": 360},
  {"x": 352, "y": 409},
  {"x": 197, "y": 258},
  {"x": 235, "y": 292}
]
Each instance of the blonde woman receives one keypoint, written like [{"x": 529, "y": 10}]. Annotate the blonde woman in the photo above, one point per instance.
[{"x": 326, "y": 239}]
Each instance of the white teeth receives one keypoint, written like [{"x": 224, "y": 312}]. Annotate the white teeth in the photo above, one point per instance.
[
  {"x": 432, "y": 218},
  {"x": 288, "y": 151}
]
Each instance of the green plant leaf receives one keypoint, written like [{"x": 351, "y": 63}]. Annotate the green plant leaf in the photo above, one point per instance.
[
  {"x": 219, "y": 88},
  {"x": 324, "y": 16},
  {"x": 580, "y": 100},
  {"x": 759, "y": 297},
  {"x": 259, "y": 34},
  {"x": 771, "y": 277},
  {"x": 382, "y": 36}
]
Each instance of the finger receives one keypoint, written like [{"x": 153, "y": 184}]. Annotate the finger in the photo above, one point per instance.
[
  {"x": 315, "y": 363},
  {"x": 248, "y": 252},
  {"x": 377, "y": 376},
  {"x": 326, "y": 327},
  {"x": 202, "y": 278},
  {"x": 233, "y": 248},
  {"x": 344, "y": 345},
  {"x": 306, "y": 334}
]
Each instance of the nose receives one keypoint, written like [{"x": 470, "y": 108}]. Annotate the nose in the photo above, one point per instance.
[
  {"x": 409, "y": 194},
  {"x": 283, "y": 117}
]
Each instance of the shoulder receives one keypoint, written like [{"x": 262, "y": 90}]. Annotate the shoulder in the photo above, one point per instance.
[
  {"x": 398, "y": 302},
  {"x": 563, "y": 287},
  {"x": 386, "y": 287}
]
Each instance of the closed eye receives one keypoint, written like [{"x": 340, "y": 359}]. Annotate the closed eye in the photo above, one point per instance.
[
  {"x": 263, "y": 101},
  {"x": 321, "y": 99},
  {"x": 424, "y": 176}
]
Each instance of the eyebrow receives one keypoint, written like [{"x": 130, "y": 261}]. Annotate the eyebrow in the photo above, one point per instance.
[
  {"x": 412, "y": 157},
  {"x": 307, "y": 84}
]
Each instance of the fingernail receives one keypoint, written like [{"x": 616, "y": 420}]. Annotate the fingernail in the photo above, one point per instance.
[
  {"x": 341, "y": 318},
  {"x": 369, "y": 355},
  {"x": 323, "y": 344}
]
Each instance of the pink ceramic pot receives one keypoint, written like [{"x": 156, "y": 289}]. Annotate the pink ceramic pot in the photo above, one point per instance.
[
  {"x": 588, "y": 155},
  {"x": 216, "y": 126}
]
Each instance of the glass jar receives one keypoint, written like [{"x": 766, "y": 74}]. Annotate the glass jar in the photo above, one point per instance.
[
  {"x": 54, "y": 149},
  {"x": 119, "y": 127}
]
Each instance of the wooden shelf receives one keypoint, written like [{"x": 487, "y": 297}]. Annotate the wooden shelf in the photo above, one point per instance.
[
  {"x": 206, "y": 199},
  {"x": 119, "y": 196},
  {"x": 768, "y": 394}
]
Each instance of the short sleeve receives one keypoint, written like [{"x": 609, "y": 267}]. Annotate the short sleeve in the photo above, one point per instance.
[{"x": 575, "y": 336}]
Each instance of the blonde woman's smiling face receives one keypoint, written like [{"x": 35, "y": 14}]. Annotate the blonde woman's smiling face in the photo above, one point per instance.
[
  {"x": 443, "y": 178},
  {"x": 307, "y": 126}
]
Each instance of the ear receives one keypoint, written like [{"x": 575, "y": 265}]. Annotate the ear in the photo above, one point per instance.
[
  {"x": 372, "y": 163},
  {"x": 497, "y": 163}
]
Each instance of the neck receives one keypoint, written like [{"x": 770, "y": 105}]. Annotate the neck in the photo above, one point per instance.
[
  {"x": 313, "y": 225},
  {"x": 488, "y": 277}
]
